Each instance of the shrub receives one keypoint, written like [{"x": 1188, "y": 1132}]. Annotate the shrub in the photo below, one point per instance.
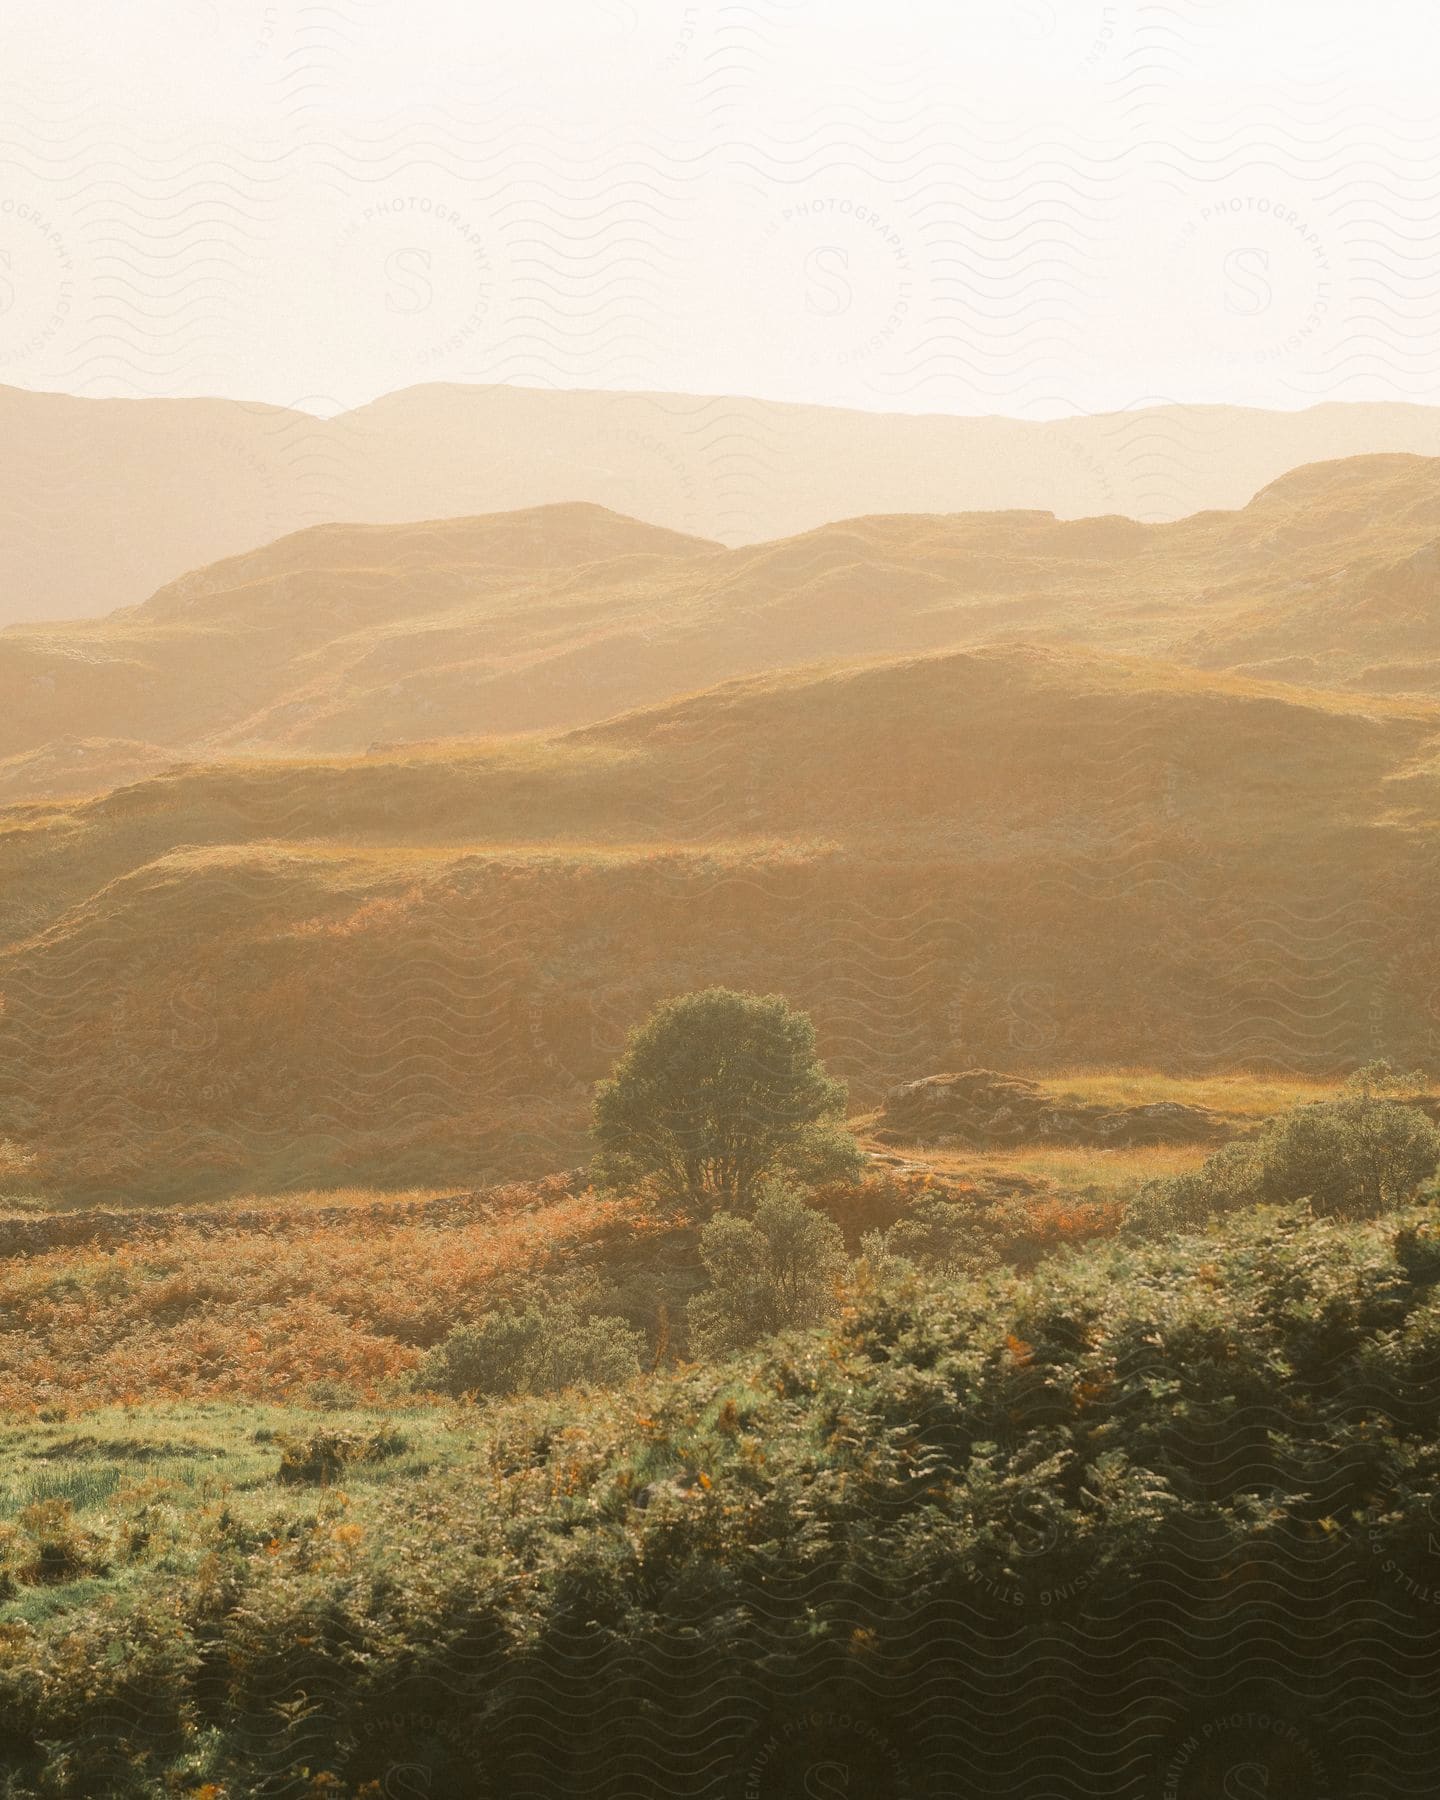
[
  {"x": 879, "y": 1523},
  {"x": 1365, "y": 1153},
  {"x": 323, "y": 1456},
  {"x": 49, "y": 1546},
  {"x": 1417, "y": 1250},
  {"x": 768, "y": 1274},
  {"x": 938, "y": 1235},
  {"x": 716, "y": 1091},
  {"x": 536, "y": 1350}
]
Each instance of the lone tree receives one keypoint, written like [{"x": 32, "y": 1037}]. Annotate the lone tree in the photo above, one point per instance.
[{"x": 716, "y": 1091}]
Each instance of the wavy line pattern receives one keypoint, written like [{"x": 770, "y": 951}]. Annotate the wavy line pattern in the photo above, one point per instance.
[{"x": 992, "y": 211}]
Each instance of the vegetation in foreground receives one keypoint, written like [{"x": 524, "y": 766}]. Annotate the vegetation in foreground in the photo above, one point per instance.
[
  {"x": 937, "y": 1437},
  {"x": 709, "y": 1243},
  {"x": 897, "y": 1520}
]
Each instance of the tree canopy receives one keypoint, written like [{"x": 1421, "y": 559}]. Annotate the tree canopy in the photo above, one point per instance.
[{"x": 717, "y": 1090}]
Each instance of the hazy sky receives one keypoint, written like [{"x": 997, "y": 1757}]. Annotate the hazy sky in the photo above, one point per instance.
[{"x": 1028, "y": 206}]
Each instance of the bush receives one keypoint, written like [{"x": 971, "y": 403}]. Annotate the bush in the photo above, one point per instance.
[
  {"x": 48, "y": 1546},
  {"x": 1417, "y": 1250},
  {"x": 940, "y": 1236},
  {"x": 323, "y": 1456},
  {"x": 1366, "y": 1153},
  {"x": 535, "y": 1350},
  {"x": 895, "y": 1522},
  {"x": 768, "y": 1274},
  {"x": 716, "y": 1091}
]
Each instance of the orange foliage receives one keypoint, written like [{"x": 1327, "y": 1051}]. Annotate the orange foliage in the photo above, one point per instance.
[
  {"x": 876, "y": 1201},
  {"x": 261, "y": 1311},
  {"x": 1054, "y": 1220}
]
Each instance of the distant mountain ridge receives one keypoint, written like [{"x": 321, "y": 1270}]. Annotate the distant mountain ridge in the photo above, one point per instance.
[
  {"x": 340, "y": 638},
  {"x": 104, "y": 501}
]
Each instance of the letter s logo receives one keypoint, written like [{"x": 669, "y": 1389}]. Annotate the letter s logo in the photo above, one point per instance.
[
  {"x": 827, "y": 1781},
  {"x": 1039, "y": 18},
  {"x": 1032, "y": 1016},
  {"x": 408, "y": 271},
  {"x": 1247, "y": 291},
  {"x": 827, "y": 288},
  {"x": 407, "y": 1781},
  {"x": 1247, "y": 1781}
]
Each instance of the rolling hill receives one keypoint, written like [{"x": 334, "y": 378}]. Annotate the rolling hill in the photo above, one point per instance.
[
  {"x": 343, "y": 637},
  {"x": 104, "y": 501},
  {"x": 410, "y": 966}
]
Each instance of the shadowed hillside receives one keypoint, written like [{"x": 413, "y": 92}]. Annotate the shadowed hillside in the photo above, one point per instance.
[
  {"x": 413, "y": 966},
  {"x": 344, "y": 638},
  {"x": 103, "y": 501}
]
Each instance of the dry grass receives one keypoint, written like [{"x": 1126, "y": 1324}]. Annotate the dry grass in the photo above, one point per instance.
[
  {"x": 1239, "y": 1094},
  {"x": 1072, "y": 1170},
  {"x": 324, "y": 1199},
  {"x": 334, "y": 641}
]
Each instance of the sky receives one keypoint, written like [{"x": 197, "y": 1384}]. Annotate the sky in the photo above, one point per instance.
[{"x": 1027, "y": 207}]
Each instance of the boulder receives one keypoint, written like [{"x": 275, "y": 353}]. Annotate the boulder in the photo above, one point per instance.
[{"x": 984, "y": 1110}]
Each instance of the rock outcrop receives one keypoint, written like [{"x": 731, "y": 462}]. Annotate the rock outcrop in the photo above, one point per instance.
[{"x": 983, "y": 1110}]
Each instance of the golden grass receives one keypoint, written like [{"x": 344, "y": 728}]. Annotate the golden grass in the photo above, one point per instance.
[
  {"x": 1069, "y": 1169},
  {"x": 1238, "y": 1093},
  {"x": 323, "y": 1199},
  {"x": 321, "y": 973}
]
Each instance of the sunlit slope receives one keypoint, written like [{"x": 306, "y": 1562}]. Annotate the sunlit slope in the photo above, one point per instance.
[
  {"x": 413, "y": 966},
  {"x": 342, "y": 633},
  {"x": 103, "y": 501},
  {"x": 342, "y": 638}
]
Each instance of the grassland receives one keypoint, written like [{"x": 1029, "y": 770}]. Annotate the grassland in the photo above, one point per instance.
[
  {"x": 258, "y": 1303},
  {"x": 408, "y": 971},
  {"x": 1240, "y": 1094},
  {"x": 177, "y": 1465}
]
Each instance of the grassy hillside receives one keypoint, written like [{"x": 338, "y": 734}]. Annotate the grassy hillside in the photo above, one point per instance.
[
  {"x": 409, "y": 967},
  {"x": 342, "y": 638},
  {"x": 338, "y": 636}
]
